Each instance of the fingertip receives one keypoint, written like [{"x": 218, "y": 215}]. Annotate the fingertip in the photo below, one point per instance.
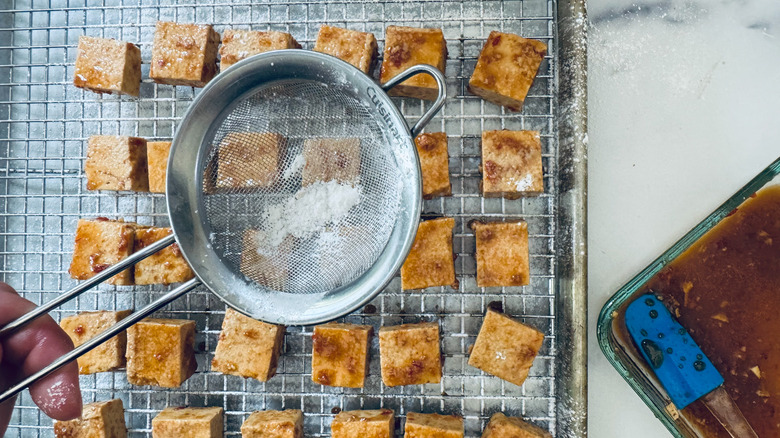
[{"x": 59, "y": 395}]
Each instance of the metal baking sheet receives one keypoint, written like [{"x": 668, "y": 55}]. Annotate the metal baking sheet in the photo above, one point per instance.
[{"x": 45, "y": 121}]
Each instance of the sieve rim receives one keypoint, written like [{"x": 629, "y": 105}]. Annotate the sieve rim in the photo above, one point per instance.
[{"x": 184, "y": 183}]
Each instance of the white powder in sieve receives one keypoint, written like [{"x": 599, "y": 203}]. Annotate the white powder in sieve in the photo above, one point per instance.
[
  {"x": 312, "y": 207},
  {"x": 295, "y": 166}
]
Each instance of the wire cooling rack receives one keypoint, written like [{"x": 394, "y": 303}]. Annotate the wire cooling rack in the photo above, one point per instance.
[{"x": 45, "y": 122}]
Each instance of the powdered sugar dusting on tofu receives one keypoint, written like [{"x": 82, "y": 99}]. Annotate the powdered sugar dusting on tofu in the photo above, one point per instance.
[{"x": 524, "y": 184}]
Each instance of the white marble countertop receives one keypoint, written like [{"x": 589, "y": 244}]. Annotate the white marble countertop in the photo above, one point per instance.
[{"x": 682, "y": 113}]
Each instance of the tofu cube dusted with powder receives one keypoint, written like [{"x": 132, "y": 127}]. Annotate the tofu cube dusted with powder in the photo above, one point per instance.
[
  {"x": 248, "y": 160},
  {"x": 331, "y": 159},
  {"x": 116, "y": 163},
  {"x": 506, "y": 68},
  {"x": 430, "y": 261},
  {"x": 410, "y": 354},
  {"x": 99, "y": 244},
  {"x": 181, "y": 422},
  {"x": 165, "y": 266},
  {"x": 354, "y": 47},
  {"x": 157, "y": 156},
  {"x": 241, "y": 44},
  {"x": 409, "y": 46},
  {"x": 264, "y": 264},
  {"x": 247, "y": 347},
  {"x": 273, "y": 424},
  {"x": 511, "y": 164},
  {"x": 184, "y": 54},
  {"x": 340, "y": 354},
  {"x": 161, "y": 352},
  {"x": 502, "y": 253},
  {"x": 433, "y": 425},
  {"x": 501, "y": 426},
  {"x": 434, "y": 163},
  {"x": 378, "y": 423},
  {"x": 108, "y": 66},
  {"x": 98, "y": 420},
  {"x": 107, "y": 356},
  {"x": 505, "y": 347}
]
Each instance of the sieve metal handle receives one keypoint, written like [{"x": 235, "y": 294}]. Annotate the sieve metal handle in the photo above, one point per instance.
[{"x": 437, "y": 104}]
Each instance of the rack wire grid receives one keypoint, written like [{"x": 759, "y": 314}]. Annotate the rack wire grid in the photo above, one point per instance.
[{"x": 45, "y": 123}]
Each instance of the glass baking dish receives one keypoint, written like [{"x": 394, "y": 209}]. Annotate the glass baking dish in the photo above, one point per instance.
[{"x": 622, "y": 353}]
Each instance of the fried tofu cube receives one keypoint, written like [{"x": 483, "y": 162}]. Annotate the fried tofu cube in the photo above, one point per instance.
[
  {"x": 241, "y": 44},
  {"x": 263, "y": 263},
  {"x": 157, "y": 156},
  {"x": 274, "y": 424},
  {"x": 410, "y": 354},
  {"x": 247, "y": 347},
  {"x": 161, "y": 352},
  {"x": 430, "y": 261},
  {"x": 506, "y": 68},
  {"x": 434, "y": 163},
  {"x": 165, "y": 266},
  {"x": 108, "y": 66},
  {"x": 98, "y": 420},
  {"x": 356, "y": 48},
  {"x": 505, "y": 347},
  {"x": 181, "y": 422},
  {"x": 331, "y": 159},
  {"x": 378, "y": 423},
  {"x": 116, "y": 163},
  {"x": 511, "y": 164},
  {"x": 433, "y": 426},
  {"x": 107, "y": 356},
  {"x": 340, "y": 354},
  {"x": 501, "y": 426},
  {"x": 247, "y": 160},
  {"x": 502, "y": 253},
  {"x": 184, "y": 54},
  {"x": 101, "y": 243},
  {"x": 409, "y": 46}
]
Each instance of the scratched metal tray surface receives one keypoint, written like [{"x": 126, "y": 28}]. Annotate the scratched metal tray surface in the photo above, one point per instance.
[{"x": 45, "y": 122}]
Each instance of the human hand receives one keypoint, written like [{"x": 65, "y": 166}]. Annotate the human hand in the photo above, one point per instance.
[{"x": 30, "y": 349}]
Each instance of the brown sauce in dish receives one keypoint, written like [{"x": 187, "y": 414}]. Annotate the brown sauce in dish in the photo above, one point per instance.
[{"x": 725, "y": 289}]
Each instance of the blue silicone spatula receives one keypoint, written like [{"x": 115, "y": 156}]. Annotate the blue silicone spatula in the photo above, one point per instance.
[{"x": 679, "y": 364}]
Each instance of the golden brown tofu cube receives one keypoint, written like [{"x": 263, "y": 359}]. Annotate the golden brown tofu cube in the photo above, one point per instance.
[
  {"x": 434, "y": 163},
  {"x": 107, "y": 356},
  {"x": 511, "y": 164},
  {"x": 241, "y": 44},
  {"x": 98, "y": 420},
  {"x": 247, "y": 347},
  {"x": 356, "y": 48},
  {"x": 379, "y": 423},
  {"x": 157, "y": 154},
  {"x": 184, "y": 54},
  {"x": 165, "y": 266},
  {"x": 433, "y": 426},
  {"x": 331, "y": 159},
  {"x": 183, "y": 422},
  {"x": 340, "y": 354},
  {"x": 506, "y": 68},
  {"x": 410, "y": 354},
  {"x": 101, "y": 243},
  {"x": 430, "y": 261},
  {"x": 273, "y": 424},
  {"x": 502, "y": 253},
  {"x": 266, "y": 265},
  {"x": 161, "y": 352},
  {"x": 505, "y": 347},
  {"x": 408, "y": 46},
  {"x": 108, "y": 66},
  {"x": 116, "y": 163},
  {"x": 501, "y": 426},
  {"x": 247, "y": 160}
]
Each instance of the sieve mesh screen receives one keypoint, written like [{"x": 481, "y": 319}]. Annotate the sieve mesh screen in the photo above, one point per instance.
[{"x": 300, "y": 187}]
